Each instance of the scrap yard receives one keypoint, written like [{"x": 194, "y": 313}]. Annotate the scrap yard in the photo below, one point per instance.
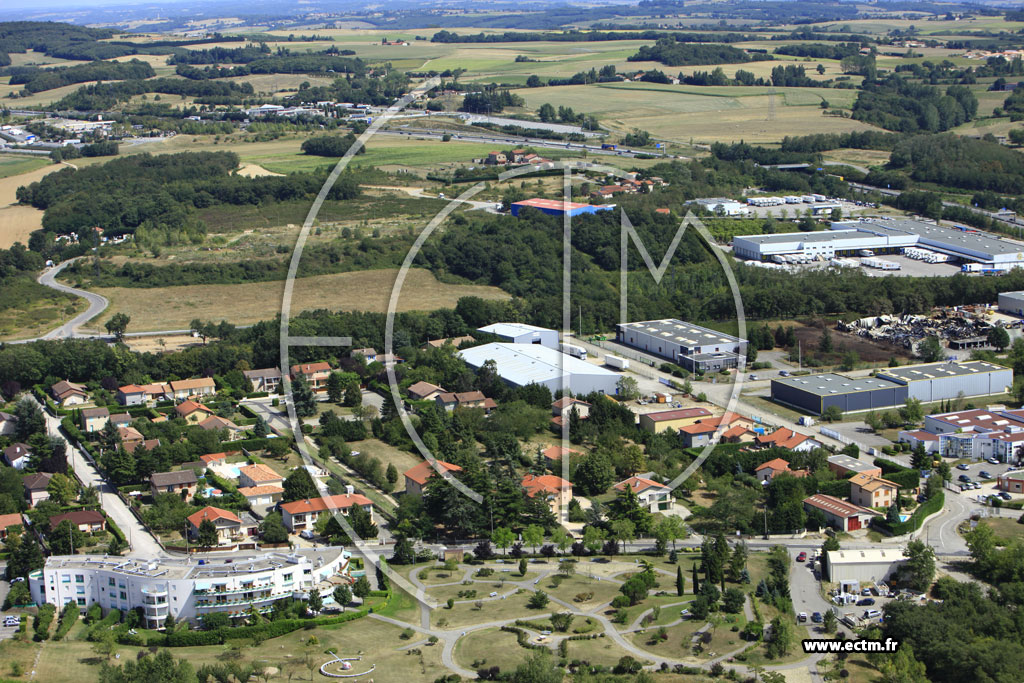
[{"x": 961, "y": 327}]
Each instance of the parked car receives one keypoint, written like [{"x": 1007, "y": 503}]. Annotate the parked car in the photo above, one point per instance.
[
  {"x": 872, "y": 613},
  {"x": 684, "y": 613},
  {"x": 12, "y": 621},
  {"x": 306, "y": 534},
  {"x": 963, "y": 466},
  {"x": 752, "y": 378},
  {"x": 783, "y": 373},
  {"x": 802, "y": 617},
  {"x": 1005, "y": 496},
  {"x": 975, "y": 485},
  {"x": 817, "y": 617},
  {"x": 984, "y": 475},
  {"x": 865, "y": 591},
  {"x": 801, "y": 557},
  {"x": 993, "y": 461},
  {"x": 964, "y": 478},
  {"x": 865, "y": 602}
]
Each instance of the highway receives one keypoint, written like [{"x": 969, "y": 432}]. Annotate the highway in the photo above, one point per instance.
[{"x": 97, "y": 303}]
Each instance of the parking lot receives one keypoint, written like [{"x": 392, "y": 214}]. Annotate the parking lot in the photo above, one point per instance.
[
  {"x": 797, "y": 210},
  {"x": 913, "y": 268},
  {"x": 987, "y": 486}
]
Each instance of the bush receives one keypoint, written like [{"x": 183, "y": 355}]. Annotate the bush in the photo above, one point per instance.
[
  {"x": 44, "y": 618},
  {"x": 68, "y": 617}
]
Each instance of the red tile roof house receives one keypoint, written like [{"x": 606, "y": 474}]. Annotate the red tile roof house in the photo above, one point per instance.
[
  {"x": 555, "y": 490},
  {"x": 314, "y": 373},
  {"x": 655, "y": 496},
  {"x": 838, "y": 513},
  {"x": 258, "y": 475},
  {"x": 87, "y": 521},
  {"x": 94, "y": 419},
  {"x": 131, "y": 395},
  {"x": 67, "y": 393},
  {"x": 416, "y": 477},
  {"x": 700, "y": 433},
  {"x": 424, "y": 391},
  {"x": 36, "y": 487},
  {"x": 788, "y": 439},
  {"x": 767, "y": 471},
  {"x": 262, "y": 496},
  {"x": 16, "y": 455},
  {"x": 121, "y": 419},
  {"x": 8, "y": 521},
  {"x": 215, "y": 422},
  {"x": 465, "y": 399},
  {"x": 192, "y": 412},
  {"x": 563, "y": 407},
  {"x": 186, "y": 388},
  {"x": 302, "y": 514},
  {"x": 556, "y": 453},
  {"x": 229, "y": 526}
]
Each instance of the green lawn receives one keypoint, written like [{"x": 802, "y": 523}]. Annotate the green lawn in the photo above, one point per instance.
[
  {"x": 514, "y": 607},
  {"x": 16, "y": 164},
  {"x": 490, "y": 647}
]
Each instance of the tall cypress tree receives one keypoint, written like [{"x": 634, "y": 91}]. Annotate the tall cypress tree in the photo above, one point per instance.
[
  {"x": 696, "y": 583},
  {"x": 680, "y": 586}
]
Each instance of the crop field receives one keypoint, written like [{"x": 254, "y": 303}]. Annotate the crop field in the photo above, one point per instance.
[
  {"x": 166, "y": 308},
  {"x": 17, "y": 222},
  {"x": 702, "y": 114}
]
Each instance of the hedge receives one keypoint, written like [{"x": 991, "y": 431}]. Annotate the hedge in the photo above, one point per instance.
[
  {"x": 888, "y": 466},
  {"x": 257, "y": 444},
  {"x": 905, "y": 477},
  {"x": 930, "y": 506},
  {"x": 115, "y": 530},
  {"x": 839, "y": 488},
  {"x": 68, "y": 617},
  {"x": 522, "y": 638},
  {"x": 43, "y": 620},
  {"x": 72, "y": 429}
]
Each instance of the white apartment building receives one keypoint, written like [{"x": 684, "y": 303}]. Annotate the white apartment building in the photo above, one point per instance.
[{"x": 189, "y": 588}]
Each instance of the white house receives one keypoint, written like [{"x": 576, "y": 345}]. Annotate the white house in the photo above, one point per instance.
[{"x": 651, "y": 494}]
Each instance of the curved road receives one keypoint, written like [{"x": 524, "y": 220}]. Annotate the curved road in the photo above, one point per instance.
[{"x": 97, "y": 303}]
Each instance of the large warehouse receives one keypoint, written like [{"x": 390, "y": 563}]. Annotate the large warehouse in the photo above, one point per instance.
[
  {"x": 557, "y": 207},
  {"x": 847, "y": 238},
  {"x": 522, "y": 364},
  {"x": 868, "y": 565},
  {"x": 694, "y": 347},
  {"x": 521, "y": 333},
  {"x": 1012, "y": 303},
  {"x": 891, "y": 387}
]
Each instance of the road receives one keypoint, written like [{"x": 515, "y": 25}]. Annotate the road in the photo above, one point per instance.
[
  {"x": 97, "y": 303},
  {"x": 141, "y": 542}
]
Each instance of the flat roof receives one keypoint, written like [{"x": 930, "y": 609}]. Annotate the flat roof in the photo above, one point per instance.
[
  {"x": 913, "y": 373},
  {"x": 681, "y": 332},
  {"x": 511, "y": 329},
  {"x": 538, "y": 203},
  {"x": 1013, "y": 295},
  {"x": 829, "y": 383},
  {"x": 865, "y": 556},
  {"x": 973, "y": 239},
  {"x": 821, "y": 236},
  {"x": 188, "y": 568},
  {"x": 852, "y": 464},
  {"x": 522, "y": 364}
]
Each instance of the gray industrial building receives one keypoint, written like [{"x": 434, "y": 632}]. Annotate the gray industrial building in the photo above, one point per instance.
[
  {"x": 890, "y": 388},
  {"x": 696, "y": 348},
  {"x": 885, "y": 236},
  {"x": 815, "y": 393},
  {"x": 940, "y": 381},
  {"x": 522, "y": 364},
  {"x": 521, "y": 333},
  {"x": 1012, "y": 303}
]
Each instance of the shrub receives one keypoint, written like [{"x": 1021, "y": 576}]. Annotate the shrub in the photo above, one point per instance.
[{"x": 44, "y": 618}]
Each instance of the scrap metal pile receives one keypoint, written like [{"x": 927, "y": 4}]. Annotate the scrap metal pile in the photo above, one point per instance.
[{"x": 908, "y": 330}]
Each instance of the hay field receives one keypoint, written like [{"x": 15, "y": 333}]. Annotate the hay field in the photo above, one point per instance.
[
  {"x": 166, "y": 308},
  {"x": 17, "y": 222}
]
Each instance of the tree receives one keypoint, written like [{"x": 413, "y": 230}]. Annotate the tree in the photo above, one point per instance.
[
  {"x": 391, "y": 475},
  {"x": 299, "y": 485},
  {"x": 538, "y": 668},
  {"x": 303, "y": 397},
  {"x": 315, "y": 602},
  {"x": 593, "y": 538},
  {"x": 623, "y": 531},
  {"x": 821, "y": 69},
  {"x": 831, "y": 413},
  {"x": 404, "y": 551},
  {"x": 930, "y": 350},
  {"x": 105, "y": 644},
  {"x": 117, "y": 325},
  {"x": 732, "y": 600},
  {"x": 353, "y": 394},
  {"x": 919, "y": 458},
  {"x": 538, "y": 600},
  {"x": 207, "y": 537},
  {"x": 781, "y": 639},
  {"x": 825, "y": 344},
  {"x": 361, "y": 521},
  {"x": 533, "y": 536},
  {"x": 273, "y": 530},
  {"x": 546, "y": 113},
  {"x": 594, "y": 474},
  {"x": 999, "y": 338},
  {"x": 830, "y": 623},
  {"x": 561, "y": 621},
  {"x": 680, "y": 584},
  {"x": 920, "y": 564},
  {"x": 912, "y": 412},
  {"x": 361, "y": 588},
  {"x": 738, "y": 561},
  {"x": 627, "y": 388},
  {"x": 560, "y": 538},
  {"x": 902, "y": 667},
  {"x": 65, "y": 538},
  {"x": 335, "y": 387},
  {"x": 503, "y": 538},
  {"x": 62, "y": 489},
  {"x": 30, "y": 419},
  {"x": 522, "y": 566},
  {"x": 342, "y": 596}
]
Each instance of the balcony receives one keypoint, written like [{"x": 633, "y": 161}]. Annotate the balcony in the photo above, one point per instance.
[
  {"x": 154, "y": 591},
  {"x": 241, "y": 602}
]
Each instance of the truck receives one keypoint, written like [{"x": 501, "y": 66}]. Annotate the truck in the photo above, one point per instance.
[
  {"x": 616, "y": 362},
  {"x": 866, "y": 252},
  {"x": 805, "y": 421},
  {"x": 609, "y": 145},
  {"x": 573, "y": 350}
]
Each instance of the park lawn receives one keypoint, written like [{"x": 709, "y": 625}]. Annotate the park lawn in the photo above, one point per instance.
[
  {"x": 603, "y": 591},
  {"x": 490, "y": 647},
  {"x": 678, "y": 645},
  {"x": 652, "y": 601},
  {"x": 1006, "y": 529},
  {"x": 441, "y": 576},
  {"x": 496, "y": 609},
  {"x": 402, "y": 606},
  {"x": 598, "y": 651},
  {"x": 442, "y": 593},
  {"x": 388, "y": 455},
  {"x": 162, "y": 308}
]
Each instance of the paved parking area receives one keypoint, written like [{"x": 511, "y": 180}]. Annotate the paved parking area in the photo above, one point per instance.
[{"x": 912, "y": 268}]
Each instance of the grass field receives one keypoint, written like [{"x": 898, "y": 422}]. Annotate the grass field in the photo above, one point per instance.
[
  {"x": 16, "y": 164},
  {"x": 490, "y": 647},
  {"x": 17, "y": 222},
  {"x": 1006, "y": 528},
  {"x": 171, "y": 308}
]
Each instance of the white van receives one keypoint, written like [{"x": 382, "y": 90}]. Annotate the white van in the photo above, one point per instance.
[{"x": 872, "y": 613}]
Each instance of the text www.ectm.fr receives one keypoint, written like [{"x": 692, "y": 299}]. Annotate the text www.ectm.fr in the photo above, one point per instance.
[{"x": 837, "y": 646}]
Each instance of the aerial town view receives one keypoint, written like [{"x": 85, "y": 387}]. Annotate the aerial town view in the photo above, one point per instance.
[{"x": 566, "y": 341}]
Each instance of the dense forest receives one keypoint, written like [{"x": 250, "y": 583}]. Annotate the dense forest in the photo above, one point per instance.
[
  {"x": 156, "y": 196},
  {"x": 965, "y": 163},
  {"x": 108, "y": 95},
  {"x": 896, "y": 104},
  {"x": 672, "y": 53},
  {"x": 817, "y": 51},
  {"x": 36, "y": 79},
  {"x": 320, "y": 63}
]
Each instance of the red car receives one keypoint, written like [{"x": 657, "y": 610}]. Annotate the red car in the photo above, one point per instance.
[{"x": 801, "y": 557}]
